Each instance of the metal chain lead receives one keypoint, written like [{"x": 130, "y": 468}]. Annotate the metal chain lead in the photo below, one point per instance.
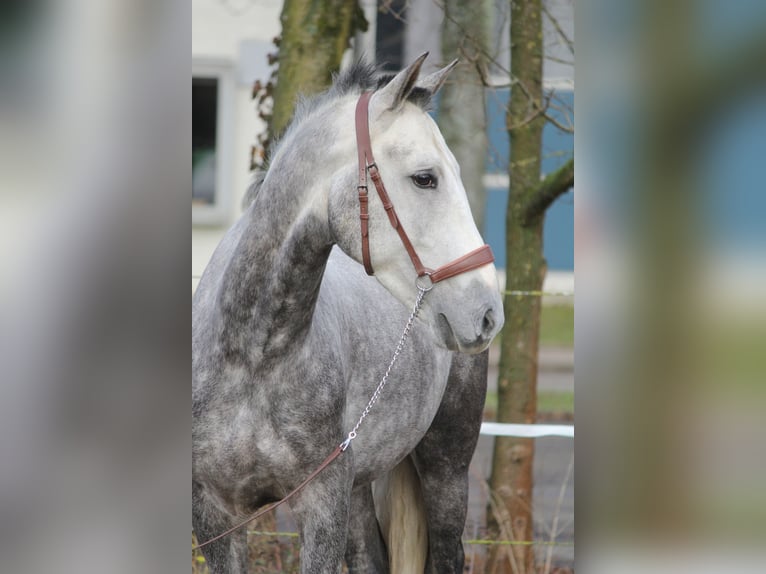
[{"x": 400, "y": 345}]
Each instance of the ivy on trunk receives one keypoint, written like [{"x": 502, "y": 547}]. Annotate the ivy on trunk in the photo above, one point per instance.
[{"x": 315, "y": 34}]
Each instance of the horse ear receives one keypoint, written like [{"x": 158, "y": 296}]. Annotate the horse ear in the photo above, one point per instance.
[
  {"x": 432, "y": 83},
  {"x": 393, "y": 94}
]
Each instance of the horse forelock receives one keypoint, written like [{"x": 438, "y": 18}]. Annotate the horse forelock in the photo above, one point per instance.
[{"x": 362, "y": 76}]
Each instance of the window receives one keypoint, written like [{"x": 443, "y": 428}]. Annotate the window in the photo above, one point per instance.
[
  {"x": 400, "y": 31},
  {"x": 389, "y": 36},
  {"x": 212, "y": 108},
  {"x": 204, "y": 109}
]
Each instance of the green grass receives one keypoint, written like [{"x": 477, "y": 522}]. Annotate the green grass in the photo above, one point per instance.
[
  {"x": 557, "y": 325},
  {"x": 555, "y": 402},
  {"x": 556, "y": 329},
  {"x": 548, "y": 402}
]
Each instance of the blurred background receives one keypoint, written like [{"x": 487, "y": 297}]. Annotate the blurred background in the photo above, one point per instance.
[
  {"x": 94, "y": 327},
  {"x": 671, "y": 313}
]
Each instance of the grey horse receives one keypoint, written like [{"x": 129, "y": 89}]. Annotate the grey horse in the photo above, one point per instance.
[{"x": 290, "y": 338}]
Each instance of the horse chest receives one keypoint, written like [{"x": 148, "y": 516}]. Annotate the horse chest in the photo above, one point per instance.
[{"x": 402, "y": 415}]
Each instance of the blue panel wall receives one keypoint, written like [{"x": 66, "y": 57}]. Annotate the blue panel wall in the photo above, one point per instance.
[{"x": 558, "y": 147}]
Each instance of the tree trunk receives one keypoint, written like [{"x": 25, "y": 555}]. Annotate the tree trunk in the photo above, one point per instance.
[
  {"x": 462, "y": 113},
  {"x": 315, "y": 34},
  {"x": 511, "y": 480}
]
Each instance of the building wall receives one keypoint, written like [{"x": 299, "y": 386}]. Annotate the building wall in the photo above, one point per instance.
[{"x": 232, "y": 36}]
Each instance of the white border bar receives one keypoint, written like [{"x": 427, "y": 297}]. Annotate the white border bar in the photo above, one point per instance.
[{"x": 526, "y": 431}]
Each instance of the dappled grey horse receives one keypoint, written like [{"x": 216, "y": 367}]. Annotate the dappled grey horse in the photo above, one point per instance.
[{"x": 290, "y": 338}]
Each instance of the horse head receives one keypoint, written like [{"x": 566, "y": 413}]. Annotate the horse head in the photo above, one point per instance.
[{"x": 422, "y": 179}]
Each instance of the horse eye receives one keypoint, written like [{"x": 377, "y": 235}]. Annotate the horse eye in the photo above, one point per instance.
[{"x": 424, "y": 180}]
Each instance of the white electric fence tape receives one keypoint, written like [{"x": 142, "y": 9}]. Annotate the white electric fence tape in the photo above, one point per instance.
[{"x": 526, "y": 431}]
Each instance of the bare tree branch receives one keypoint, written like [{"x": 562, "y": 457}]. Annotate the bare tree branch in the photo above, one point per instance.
[
  {"x": 568, "y": 129},
  {"x": 554, "y": 185},
  {"x": 469, "y": 37},
  {"x": 559, "y": 30},
  {"x": 537, "y": 109},
  {"x": 560, "y": 60},
  {"x": 531, "y": 116}
]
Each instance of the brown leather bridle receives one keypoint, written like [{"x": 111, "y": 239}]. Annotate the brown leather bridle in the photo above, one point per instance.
[{"x": 468, "y": 262}]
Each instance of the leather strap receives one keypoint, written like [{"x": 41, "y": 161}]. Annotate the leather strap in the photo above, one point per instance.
[
  {"x": 468, "y": 262},
  {"x": 474, "y": 259},
  {"x": 364, "y": 152},
  {"x": 325, "y": 463}
]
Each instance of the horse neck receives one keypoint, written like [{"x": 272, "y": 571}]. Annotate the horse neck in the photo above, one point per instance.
[{"x": 271, "y": 284}]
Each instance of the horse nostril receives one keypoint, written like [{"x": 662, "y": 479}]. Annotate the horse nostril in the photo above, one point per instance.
[{"x": 488, "y": 323}]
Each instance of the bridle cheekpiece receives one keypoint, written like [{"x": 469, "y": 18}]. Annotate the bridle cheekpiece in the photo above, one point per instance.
[{"x": 468, "y": 262}]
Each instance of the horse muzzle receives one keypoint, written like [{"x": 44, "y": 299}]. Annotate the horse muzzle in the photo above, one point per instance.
[{"x": 473, "y": 333}]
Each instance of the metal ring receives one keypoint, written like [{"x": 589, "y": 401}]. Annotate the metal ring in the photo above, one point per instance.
[{"x": 420, "y": 285}]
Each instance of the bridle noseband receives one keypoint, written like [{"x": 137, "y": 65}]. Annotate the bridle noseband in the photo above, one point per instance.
[{"x": 468, "y": 262}]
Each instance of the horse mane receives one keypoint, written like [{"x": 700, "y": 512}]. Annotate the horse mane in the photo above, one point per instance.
[
  {"x": 255, "y": 186},
  {"x": 357, "y": 78}
]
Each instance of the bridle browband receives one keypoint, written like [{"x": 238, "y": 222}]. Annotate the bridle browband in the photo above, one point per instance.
[{"x": 468, "y": 262}]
